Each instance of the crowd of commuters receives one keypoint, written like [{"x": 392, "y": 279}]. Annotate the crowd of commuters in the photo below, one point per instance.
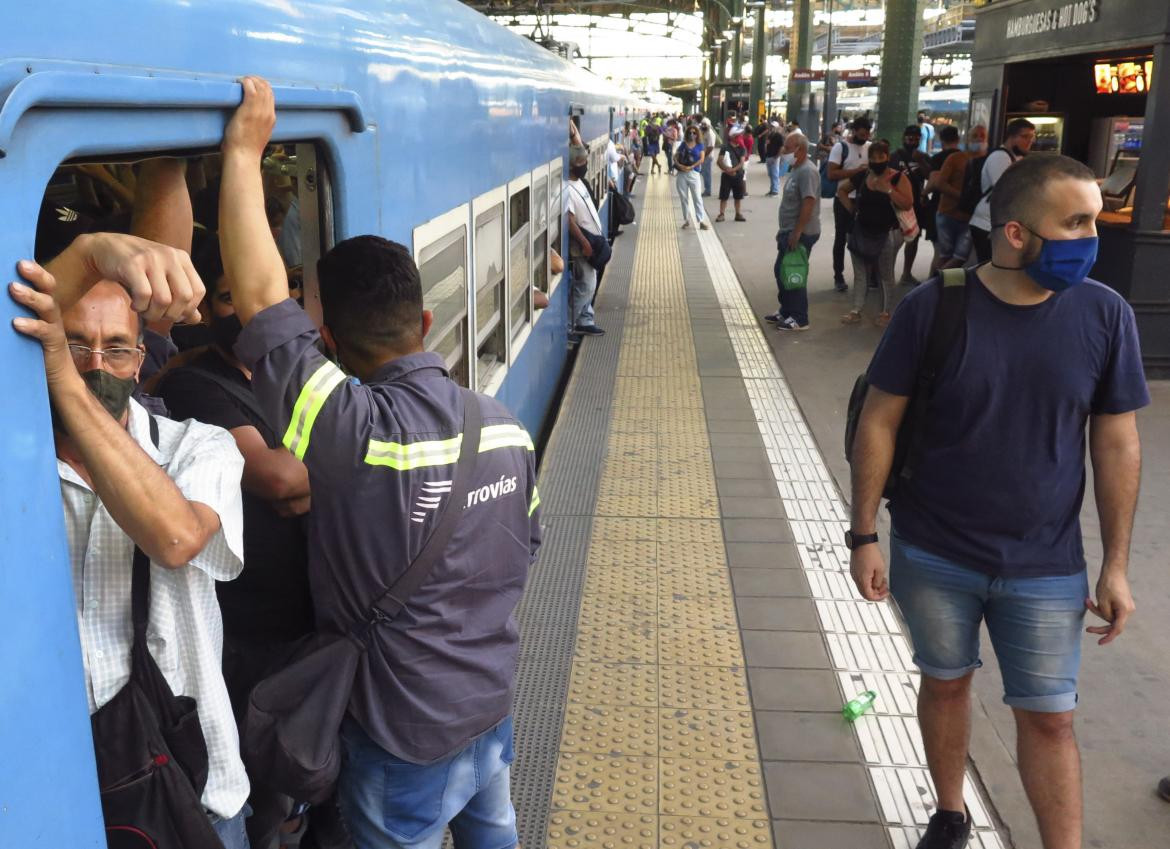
[{"x": 240, "y": 515}]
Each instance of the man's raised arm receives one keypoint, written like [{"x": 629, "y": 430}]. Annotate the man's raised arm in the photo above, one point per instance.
[{"x": 251, "y": 261}]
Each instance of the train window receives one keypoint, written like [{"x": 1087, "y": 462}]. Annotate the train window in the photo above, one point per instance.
[
  {"x": 490, "y": 330},
  {"x": 440, "y": 248},
  {"x": 174, "y": 199},
  {"x": 520, "y": 259},
  {"x": 540, "y": 230},
  {"x": 555, "y": 216}
]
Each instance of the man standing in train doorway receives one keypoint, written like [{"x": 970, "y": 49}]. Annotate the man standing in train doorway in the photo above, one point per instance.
[
  {"x": 428, "y": 735},
  {"x": 988, "y": 525},
  {"x": 587, "y": 245}
]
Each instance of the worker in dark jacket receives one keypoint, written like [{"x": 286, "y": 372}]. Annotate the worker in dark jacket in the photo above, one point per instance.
[{"x": 429, "y": 736}]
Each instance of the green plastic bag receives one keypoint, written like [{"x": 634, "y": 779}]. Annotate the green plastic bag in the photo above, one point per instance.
[{"x": 794, "y": 269}]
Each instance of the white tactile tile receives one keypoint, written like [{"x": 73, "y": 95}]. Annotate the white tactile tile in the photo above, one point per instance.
[{"x": 865, "y": 641}]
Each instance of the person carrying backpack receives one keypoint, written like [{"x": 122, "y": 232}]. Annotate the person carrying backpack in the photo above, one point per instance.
[
  {"x": 952, "y": 242},
  {"x": 847, "y": 158},
  {"x": 1020, "y": 135}
]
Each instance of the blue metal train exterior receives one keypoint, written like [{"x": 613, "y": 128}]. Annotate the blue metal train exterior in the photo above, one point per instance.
[{"x": 417, "y": 107}]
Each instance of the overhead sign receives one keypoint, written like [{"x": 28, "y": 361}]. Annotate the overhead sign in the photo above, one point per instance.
[
  {"x": 806, "y": 74},
  {"x": 861, "y": 74},
  {"x": 1064, "y": 16}
]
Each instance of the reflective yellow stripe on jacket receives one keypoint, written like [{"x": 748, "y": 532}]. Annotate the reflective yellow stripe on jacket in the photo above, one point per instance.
[
  {"x": 444, "y": 452},
  {"x": 308, "y": 405}
]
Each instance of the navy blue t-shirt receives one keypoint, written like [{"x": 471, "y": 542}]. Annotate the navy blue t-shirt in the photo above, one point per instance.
[{"x": 1002, "y": 474}]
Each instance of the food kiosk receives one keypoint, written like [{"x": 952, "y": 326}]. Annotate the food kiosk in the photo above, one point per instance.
[{"x": 1094, "y": 76}]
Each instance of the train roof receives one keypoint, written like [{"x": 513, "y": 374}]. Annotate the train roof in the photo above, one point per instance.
[{"x": 357, "y": 45}]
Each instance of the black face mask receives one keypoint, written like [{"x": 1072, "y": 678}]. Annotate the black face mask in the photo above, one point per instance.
[
  {"x": 112, "y": 392},
  {"x": 909, "y": 146},
  {"x": 225, "y": 331},
  {"x": 578, "y": 171},
  {"x": 878, "y": 167}
]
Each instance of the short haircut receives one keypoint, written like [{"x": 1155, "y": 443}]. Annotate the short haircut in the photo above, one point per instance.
[
  {"x": 371, "y": 295},
  {"x": 206, "y": 258},
  {"x": 1018, "y": 125},
  {"x": 879, "y": 147},
  {"x": 577, "y": 153},
  {"x": 799, "y": 140},
  {"x": 949, "y": 134},
  {"x": 862, "y": 123},
  {"x": 1020, "y": 193},
  {"x": 912, "y": 130}
]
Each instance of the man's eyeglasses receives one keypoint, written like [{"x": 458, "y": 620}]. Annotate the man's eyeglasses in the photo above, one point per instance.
[{"x": 119, "y": 359}]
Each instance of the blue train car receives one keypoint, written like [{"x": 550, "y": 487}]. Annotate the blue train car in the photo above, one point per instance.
[{"x": 421, "y": 121}]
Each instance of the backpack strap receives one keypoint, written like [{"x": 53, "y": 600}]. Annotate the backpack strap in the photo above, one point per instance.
[
  {"x": 245, "y": 398},
  {"x": 391, "y": 602},
  {"x": 945, "y": 329}
]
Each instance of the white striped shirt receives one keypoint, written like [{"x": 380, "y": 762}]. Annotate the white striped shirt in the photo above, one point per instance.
[{"x": 185, "y": 632}]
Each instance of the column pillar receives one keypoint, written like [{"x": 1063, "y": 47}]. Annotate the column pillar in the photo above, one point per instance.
[
  {"x": 759, "y": 62},
  {"x": 800, "y": 56},
  {"x": 737, "y": 40},
  {"x": 897, "y": 103}
]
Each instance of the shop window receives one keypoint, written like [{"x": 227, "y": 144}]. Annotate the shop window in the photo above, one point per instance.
[
  {"x": 520, "y": 254},
  {"x": 441, "y": 254},
  {"x": 490, "y": 327}
]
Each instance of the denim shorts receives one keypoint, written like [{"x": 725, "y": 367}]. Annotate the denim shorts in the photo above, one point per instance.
[
  {"x": 954, "y": 237},
  {"x": 390, "y": 803},
  {"x": 1034, "y": 624}
]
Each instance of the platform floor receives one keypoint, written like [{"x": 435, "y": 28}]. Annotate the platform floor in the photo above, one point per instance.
[{"x": 690, "y": 631}]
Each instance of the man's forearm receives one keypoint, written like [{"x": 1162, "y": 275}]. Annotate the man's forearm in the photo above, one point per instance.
[
  {"x": 251, "y": 260},
  {"x": 873, "y": 456},
  {"x": 1117, "y": 472},
  {"x": 162, "y": 204},
  {"x": 576, "y": 232},
  {"x": 138, "y": 494}
]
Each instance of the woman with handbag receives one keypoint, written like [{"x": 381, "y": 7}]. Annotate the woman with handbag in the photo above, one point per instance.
[
  {"x": 875, "y": 198},
  {"x": 688, "y": 157}
]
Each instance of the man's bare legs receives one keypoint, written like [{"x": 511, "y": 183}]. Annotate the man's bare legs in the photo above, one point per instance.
[
  {"x": 1050, "y": 766},
  {"x": 944, "y": 714}
]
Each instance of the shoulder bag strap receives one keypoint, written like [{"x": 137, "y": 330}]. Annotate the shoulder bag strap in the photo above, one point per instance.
[
  {"x": 140, "y": 575},
  {"x": 386, "y": 608}
]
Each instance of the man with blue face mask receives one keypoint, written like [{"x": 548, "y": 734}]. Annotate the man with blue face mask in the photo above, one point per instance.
[{"x": 988, "y": 526}]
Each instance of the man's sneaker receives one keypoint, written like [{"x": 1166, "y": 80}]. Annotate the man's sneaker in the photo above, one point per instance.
[
  {"x": 719, "y": 218},
  {"x": 947, "y": 830},
  {"x": 791, "y": 324},
  {"x": 840, "y": 285},
  {"x": 686, "y": 224},
  {"x": 589, "y": 329},
  {"x": 775, "y": 318},
  {"x": 771, "y": 194},
  {"x": 1164, "y": 788}
]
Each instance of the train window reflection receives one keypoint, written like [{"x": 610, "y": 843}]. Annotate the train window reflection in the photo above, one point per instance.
[{"x": 442, "y": 266}]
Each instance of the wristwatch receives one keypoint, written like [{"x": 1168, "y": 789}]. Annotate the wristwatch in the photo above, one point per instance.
[{"x": 855, "y": 541}]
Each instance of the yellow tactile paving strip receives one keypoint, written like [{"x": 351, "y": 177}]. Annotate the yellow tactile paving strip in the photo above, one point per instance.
[{"x": 658, "y": 747}]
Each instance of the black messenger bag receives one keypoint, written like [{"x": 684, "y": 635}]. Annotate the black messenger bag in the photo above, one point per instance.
[
  {"x": 151, "y": 755},
  {"x": 291, "y": 734}
]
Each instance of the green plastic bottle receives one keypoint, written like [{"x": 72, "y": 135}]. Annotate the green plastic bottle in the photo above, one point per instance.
[{"x": 855, "y": 707}]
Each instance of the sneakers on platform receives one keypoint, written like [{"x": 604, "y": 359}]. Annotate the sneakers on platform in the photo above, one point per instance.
[
  {"x": 947, "y": 830},
  {"x": 740, "y": 218},
  {"x": 790, "y": 324},
  {"x": 774, "y": 318},
  {"x": 589, "y": 329},
  {"x": 703, "y": 225}
]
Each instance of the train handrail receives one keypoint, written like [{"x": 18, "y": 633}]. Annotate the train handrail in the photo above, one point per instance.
[{"x": 64, "y": 89}]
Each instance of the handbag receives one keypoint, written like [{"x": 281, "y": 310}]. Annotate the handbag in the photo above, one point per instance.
[
  {"x": 864, "y": 243},
  {"x": 151, "y": 755},
  {"x": 907, "y": 221},
  {"x": 292, "y": 730},
  {"x": 622, "y": 208}
]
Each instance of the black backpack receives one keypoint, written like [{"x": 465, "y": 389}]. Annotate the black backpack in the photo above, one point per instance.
[
  {"x": 972, "y": 192},
  {"x": 945, "y": 331}
]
